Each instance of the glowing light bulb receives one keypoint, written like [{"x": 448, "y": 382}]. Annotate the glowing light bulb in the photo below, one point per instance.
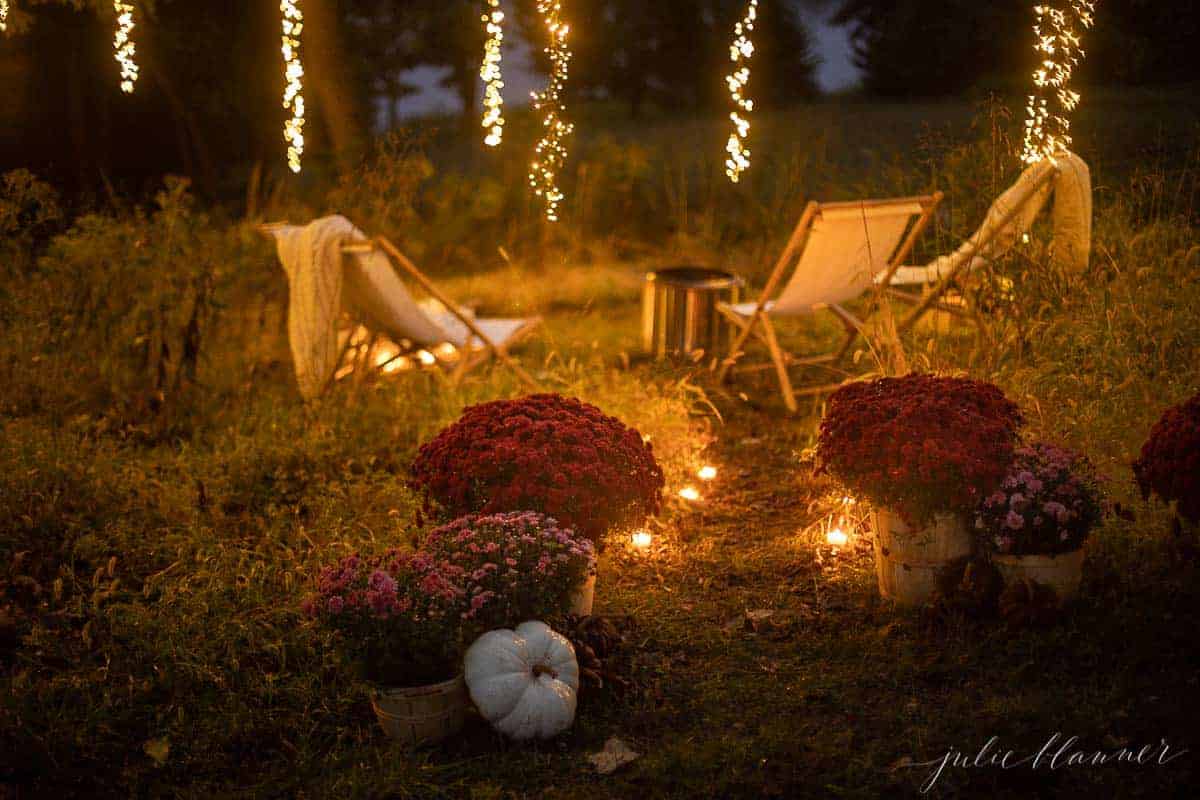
[
  {"x": 493, "y": 78},
  {"x": 427, "y": 358},
  {"x": 123, "y": 49},
  {"x": 689, "y": 493},
  {"x": 707, "y": 473},
  {"x": 1057, "y": 42},
  {"x": 837, "y": 537},
  {"x": 740, "y": 52},
  {"x": 551, "y": 151},
  {"x": 3, "y": 15},
  {"x": 293, "y": 71},
  {"x": 641, "y": 539}
]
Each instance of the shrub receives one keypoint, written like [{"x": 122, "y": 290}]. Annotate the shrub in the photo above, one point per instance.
[
  {"x": 920, "y": 444},
  {"x": 520, "y": 565},
  {"x": 1169, "y": 465},
  {"x": 399, "y": 615},
  {"x": 1048, "y": 503},
  {"x": 546, "y": 453}
]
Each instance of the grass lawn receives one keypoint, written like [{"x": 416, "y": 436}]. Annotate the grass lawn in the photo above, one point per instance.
[{"x": 152, "y": 560}]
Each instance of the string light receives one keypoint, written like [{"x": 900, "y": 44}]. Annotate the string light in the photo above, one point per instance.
[
  {"x": 3, "y": 15},
  {"x": 124, "y": 50},
  {"x": 1057, "y": 42},
  {"x": 293, "y": 93},
  {"x": 740, "y": 52},
  {"x": 493, "y": 79},
  {"x": 551, "y": 152}
]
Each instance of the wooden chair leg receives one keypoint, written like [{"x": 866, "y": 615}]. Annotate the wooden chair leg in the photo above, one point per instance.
[
  {"x": 785, "y": 383},
  {"x": 736, "y": 349}
]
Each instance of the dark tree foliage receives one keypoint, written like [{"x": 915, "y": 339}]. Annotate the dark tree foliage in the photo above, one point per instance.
[{"x": 941, "y": 47}]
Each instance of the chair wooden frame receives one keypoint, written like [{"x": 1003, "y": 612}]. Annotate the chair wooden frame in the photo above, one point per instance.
[
  {"x": 759, "y": 323},
  {"x": 469, "y": 358}
]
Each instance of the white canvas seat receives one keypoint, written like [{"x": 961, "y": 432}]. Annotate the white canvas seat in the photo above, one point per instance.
[
  {"x": 837, "y": 251},
  {"x": 332, "y": 266}
]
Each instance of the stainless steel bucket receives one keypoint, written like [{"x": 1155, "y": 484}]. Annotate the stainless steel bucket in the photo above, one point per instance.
[{"x": 679, "y": 311}]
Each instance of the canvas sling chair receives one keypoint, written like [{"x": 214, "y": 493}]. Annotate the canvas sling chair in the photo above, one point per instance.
[
  {"x": 1007, "y": 222},
  {"x": 332, "y": 267},
  {"x": 836, "y": 252}
]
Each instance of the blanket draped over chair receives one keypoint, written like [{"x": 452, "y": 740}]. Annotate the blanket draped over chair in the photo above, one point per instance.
[{"x": 327, "y": 275}]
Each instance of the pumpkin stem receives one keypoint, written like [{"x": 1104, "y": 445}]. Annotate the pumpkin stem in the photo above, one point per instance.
[{"x": 541, "y": 669}]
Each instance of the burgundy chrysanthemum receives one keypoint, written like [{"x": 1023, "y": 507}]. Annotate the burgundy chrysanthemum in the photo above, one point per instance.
[
  {"x": 546, "y": 453},
  {"x": 920, "y": 444},
  {"x": 1169, "y": 465}
]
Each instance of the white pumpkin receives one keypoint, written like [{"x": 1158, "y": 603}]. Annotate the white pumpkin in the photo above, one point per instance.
[{"x": 524, "y": 682}]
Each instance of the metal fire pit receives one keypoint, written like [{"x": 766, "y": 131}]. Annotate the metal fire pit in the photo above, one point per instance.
[{"x": 679, "y": 310}]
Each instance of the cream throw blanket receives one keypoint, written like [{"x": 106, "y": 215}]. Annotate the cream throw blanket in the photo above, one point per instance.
[
  {"x": 322, "y": 281},
  {"x": 1071, "y": 218}
]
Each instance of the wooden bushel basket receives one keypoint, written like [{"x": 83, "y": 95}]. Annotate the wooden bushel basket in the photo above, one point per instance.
[
  {"x": 907, "y": 561},
  {"x": 422, "y": 715}
]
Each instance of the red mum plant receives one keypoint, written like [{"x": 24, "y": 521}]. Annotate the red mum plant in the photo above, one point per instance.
[
  {"x": 1169, "y": 465},
  {"x": 920, "y": 444},
  {"x": 1048, "y": 503},
  {"x": 399, "y": 616},
  {"x": 547, "y": 453},
  {"x": 518, "y": 566}
]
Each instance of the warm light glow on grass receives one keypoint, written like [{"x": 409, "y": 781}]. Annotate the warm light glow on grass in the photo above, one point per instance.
[
  {"x": 293, "y": 93},
  {"x": 641, "y": 539},
  {"x": 551, "y": 152},
  {"x": 740, "y": 52},
  {"x": 493, "y": 78},
  {"x": 707, "y": 473},
  {"x": 123, "y": 45},
  {"x": 1057, "y": 42},
  {"x": 689, "y": 493},
  {"x": 837, "y": 537}
]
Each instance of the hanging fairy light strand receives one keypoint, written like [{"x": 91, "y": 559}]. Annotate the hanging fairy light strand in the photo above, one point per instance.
[
  {"x": 493, "y": 78},
  {"x": 551, "y": 152},
  {"x": 293, "y": 93},
  {"x": 3, "y": 15},
  {"x": 1057, "y": 42},
  {"x": 123, "y": 48},
  {"x": 740, "y": 53}
]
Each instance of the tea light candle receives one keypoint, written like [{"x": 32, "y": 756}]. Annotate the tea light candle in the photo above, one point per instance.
[
  {"x": 707, "y": 473},
  {"x": 689, "y": 493},
  {"x": 641, "y": 539},
  {"x": 837, "y": 537}
]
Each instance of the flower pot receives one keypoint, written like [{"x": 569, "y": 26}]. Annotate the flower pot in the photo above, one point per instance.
[
  {"x": 581, "y": 598},
  {"x": 420, "y": 715},
  {"x": 1061, "y": 572},
  {"x": 907, "y": 560}
]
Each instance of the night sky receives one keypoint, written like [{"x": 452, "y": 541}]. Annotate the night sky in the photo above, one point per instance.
[{"x": 832, "y": 47}]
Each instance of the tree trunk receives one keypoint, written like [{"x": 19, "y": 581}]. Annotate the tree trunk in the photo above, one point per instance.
[{"x": 325, "y": 71}]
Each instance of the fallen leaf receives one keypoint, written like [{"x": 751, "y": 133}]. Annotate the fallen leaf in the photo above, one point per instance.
[
  {"x": 614, "y": 755},
  {"x": 158, "y": 750}
]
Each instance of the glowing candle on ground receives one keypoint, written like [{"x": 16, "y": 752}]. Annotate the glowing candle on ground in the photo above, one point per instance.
[
  {"x": 642, "y": 539},
  {"x": 837, "y": 537},
  {"x": 689, "y": 493},
  {"x": 707, "y": 473}
]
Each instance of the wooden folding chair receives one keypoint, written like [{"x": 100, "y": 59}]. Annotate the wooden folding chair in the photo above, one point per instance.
[
  {"x": 377, "y": 291},
  {"x": 838, "y": 251},
  {"x": 1010, "y": 217}
]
